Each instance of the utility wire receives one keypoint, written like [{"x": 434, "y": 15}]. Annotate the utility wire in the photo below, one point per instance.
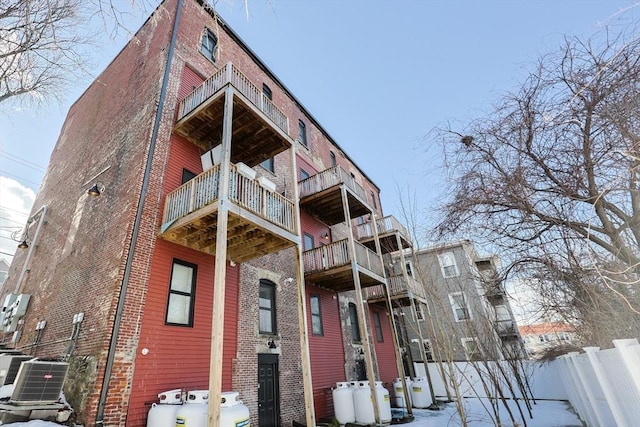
[{"x": 23, "y": 162}]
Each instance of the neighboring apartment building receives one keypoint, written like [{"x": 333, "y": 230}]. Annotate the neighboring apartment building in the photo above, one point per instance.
[
  {"x": 467, "y": 315},
  {"x": 220, "y": 251},
  {"x": 541, "y": 337}
]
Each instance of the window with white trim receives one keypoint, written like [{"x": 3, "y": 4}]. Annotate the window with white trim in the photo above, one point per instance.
[
  {"x": 409, "y": 267},
  {"x": 460, "y": 306},
  {"x": 428, "y": 351},
  {"x": 419, "y": 314},
  {"x": 208, "y": 46},
  {"x": 471, "y": 348},
  {"x": 181, "y": 294},
  {"x": 316, "y": 315},
  {"x": 448, "y": 265}
]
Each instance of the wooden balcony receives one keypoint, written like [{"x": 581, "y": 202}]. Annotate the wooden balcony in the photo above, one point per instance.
[
  {"x": 329, "y": 266},
  {"x": 388, "y": 228},
  {"x": 401, "y": 292},
  {"x": 321, "y": 196},
  {"x": 260, "y": 130},
  {"x": 260, "y": 221}
]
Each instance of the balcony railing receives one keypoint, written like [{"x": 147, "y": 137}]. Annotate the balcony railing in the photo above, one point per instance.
[
  {"x": 336, "y": 254},
  {"x": 203, "y": 190},
  {"x": 387, "y": 224},
  {"x": 397, "y": 288},
  {"x": 230, "y": 74},
  {"x": 327, "y": 179}
]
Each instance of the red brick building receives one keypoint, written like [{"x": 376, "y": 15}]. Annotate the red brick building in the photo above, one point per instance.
[{"x": 191, "y": 273}]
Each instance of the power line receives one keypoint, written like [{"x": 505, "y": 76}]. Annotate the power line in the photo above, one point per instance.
[
  {"x": 15, "y": 210},
  {"x": 23, "y": 162},
  {"x": 37, "y": 184}
]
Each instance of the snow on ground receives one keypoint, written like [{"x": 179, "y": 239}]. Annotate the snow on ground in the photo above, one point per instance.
[{"x": 546, "y": 413}]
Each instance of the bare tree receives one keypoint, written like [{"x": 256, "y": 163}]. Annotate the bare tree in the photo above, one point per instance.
[
  {"x": 550, "y": 177},
  {"x": 46, "y": 44},
  {"x": 40, "y": 46}
]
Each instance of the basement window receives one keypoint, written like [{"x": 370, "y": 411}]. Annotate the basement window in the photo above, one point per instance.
[
  {"x": 181, "y": 294},
  {"x": 209, "y": 43}
]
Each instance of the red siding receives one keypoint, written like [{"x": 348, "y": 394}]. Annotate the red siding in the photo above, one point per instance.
[
  {"x": 179, "y": 356},
  {"x": 315, "y": 228},
  {"x": 327, "y": 354},
  {"x": 385, "y": 353},
  {"x": 190, "y": 80}
]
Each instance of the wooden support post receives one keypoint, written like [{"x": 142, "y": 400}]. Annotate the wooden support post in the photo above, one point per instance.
[
  {"x": 362, "y": 321},
  {"x": 394, "y": 329},
  {"x": 305, "y": 359},
  {"x": 414, "y": 311},
  {"x": 220, "y": 271}
]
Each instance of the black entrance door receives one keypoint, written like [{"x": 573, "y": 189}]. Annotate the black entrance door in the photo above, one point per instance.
[{"x": 268, "y": 399}]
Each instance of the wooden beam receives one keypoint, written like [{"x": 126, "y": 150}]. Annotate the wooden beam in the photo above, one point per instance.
[{"x": 217, "y": 321}]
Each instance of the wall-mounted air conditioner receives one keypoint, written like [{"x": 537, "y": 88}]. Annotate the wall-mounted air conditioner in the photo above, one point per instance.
[
  {"x": 9, "y": 366},
  {"x": 39, "y": 382}
]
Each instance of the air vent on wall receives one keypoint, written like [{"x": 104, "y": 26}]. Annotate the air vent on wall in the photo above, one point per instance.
[
  {"x": 39, "y": 382},
  {"x": 9, "y": 366}
]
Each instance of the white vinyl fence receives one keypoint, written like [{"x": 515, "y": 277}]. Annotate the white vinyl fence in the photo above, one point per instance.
[{"x": 603, "y": 386}]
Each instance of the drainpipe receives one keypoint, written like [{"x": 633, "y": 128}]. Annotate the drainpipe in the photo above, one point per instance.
[
  {"x": 42, "y": 212},
  {"x": 136, "y": 225}
]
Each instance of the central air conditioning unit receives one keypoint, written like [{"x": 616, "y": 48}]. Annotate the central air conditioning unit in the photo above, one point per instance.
[
  {"x": 9, "y": 366},
  {"x": 39, "y": 382}
]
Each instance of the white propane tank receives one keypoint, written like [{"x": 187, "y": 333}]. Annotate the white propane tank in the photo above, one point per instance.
[
  {"x": 399, "y": 392},
  {"x": 233, "y": 412},
  {"x": 163, "y": 414},
  {"x": 343, "y": 404},
  {"x": 194, "y": 411},
  {"x": 420, "y": 393},
  {"x": 384, "y": 403},
  {"x": 363, "y": 403}
]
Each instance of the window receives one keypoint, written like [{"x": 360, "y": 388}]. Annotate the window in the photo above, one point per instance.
[
  {"x": 378, "y": 325},
  {"x": 460, "y": 306},
  {"x": 308, "y": 242},
  {"x": 409, "y": 267},
  {"x": 544, "y": 338},
  {"x": 304, "y": 174},
  {"x": 353, "y": 318},
  {"x": 448, "y": 265},
  {"x": 208, "y": 47},
  {"x": 269, "y": 165},
  {"x": 267, "y": 92},
  {"x": 316, "y": 315},
  {"x": 563, "y": 336},
  {"x": 419, "y": 312},
  {"x": 332, "y": 158},
  {"x": 373, "y": 200},
  {"x": 187, "y": 176},
  {"x": 267, "y": 306},
  {"x": 428, "y": 351},
  {"x": 181, "y": 294},
  {"x": 471, "y": 348},
  {"x": 302, "y": 133}
]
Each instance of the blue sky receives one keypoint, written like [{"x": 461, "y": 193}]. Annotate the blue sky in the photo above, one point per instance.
[{"x": 377, "y": 74}]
